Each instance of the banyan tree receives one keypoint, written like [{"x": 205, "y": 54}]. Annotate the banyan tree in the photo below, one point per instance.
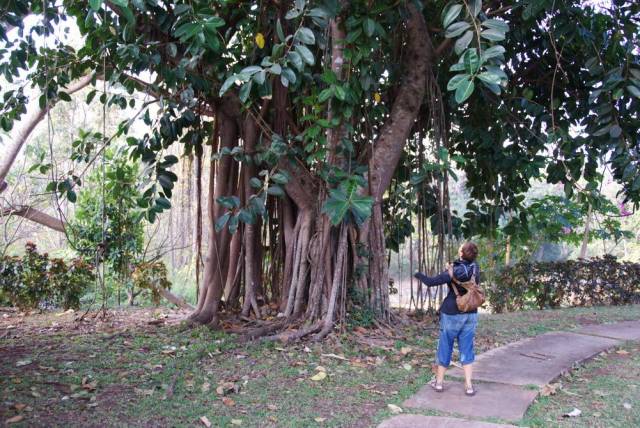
[{"x": 331, "y": 123}]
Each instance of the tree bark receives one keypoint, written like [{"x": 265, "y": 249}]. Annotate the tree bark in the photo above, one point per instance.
[
  {"x": 215, "y": 270},
  {"x": 36, "y": 216}
]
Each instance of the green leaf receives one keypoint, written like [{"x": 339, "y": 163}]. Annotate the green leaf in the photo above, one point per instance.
[
  {"x": 634, "y": 90},
  {"x": 340, "y": 93},
  {"x": 361, "y": 208},
  {"x": 289, "y": 74},
  {"x": 260, "y": 77},
  {"x": 464, "y": 91},
  {"x": 456, "y": 81},
  {"x": 318, "y": 12},
  {"x": 228, "y": 84},
  {"x": 292, "y": 14},
  {"x": 95, "y": 4},
  {"x": 476, "y": 7},
  {"x": 629, "y": 171},
  {"x": 247, "y": 216},
  {"x": 305, "y": 35},
  {"x": 471, "y": 61},
  {"x": 463, "y": 42},
  {"x": 369, "y": 26},
  {"x": 296, "y": 60},
  {"x": 459, "y": 66},
  {"x": 602, "y": 131},
  {"x": 163, "y": 203},
  {"x": 279, "y": 31},
  {"x": 306, "y": 54},
  {"x": 489, "y": 77},
  {"x": 276, "y": 69},
  {"x": 496, "y": 24},
  {"x": 252, "y": 69},
  {"x": 275, "y": 190},
  {"x": 493, "y": 35},
  {"x": 450, "y": 14},
  {"x": 182, "y": 8},
  {"x": 280, "y": 178},
  {"x": 245, "y": 91},
  {"x": 493, "y": 51},
  {"x": 255, "y": 183},
  {"x": 456, "y": 29},
  {"x": 325, "y": 94},
  {"x": 615, "y": 131},
  {"x": 222, "y": 221},
  {"x": 71, "y": 196},
  {"x": 336, "y": 206},
  {"x": 64, "y": 96},
  {"x": 229, "y": 201}
]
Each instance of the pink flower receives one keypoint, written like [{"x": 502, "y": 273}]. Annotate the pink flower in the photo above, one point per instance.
[
  {"x": 566, "y": 230},
  {"x": 623, "y": 210}
]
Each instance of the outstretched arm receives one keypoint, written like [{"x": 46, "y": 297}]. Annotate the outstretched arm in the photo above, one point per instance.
[{"x": 433, "y": 281}]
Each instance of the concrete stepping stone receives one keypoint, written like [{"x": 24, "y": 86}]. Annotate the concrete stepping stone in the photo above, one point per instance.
[
  {"x": 626, "y": 330},
  {"x": 538, "y": 360},
  {"x": 421, "y": 421},
  {"x": 492, "y": 400}
]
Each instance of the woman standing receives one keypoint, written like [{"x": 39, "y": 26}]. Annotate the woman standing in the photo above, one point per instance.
[{"x": 455, "y": 324}]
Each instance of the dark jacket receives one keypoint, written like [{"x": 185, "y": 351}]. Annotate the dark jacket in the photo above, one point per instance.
[{"x": 463, "y": 270}]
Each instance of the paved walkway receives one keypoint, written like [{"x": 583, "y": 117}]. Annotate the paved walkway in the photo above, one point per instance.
[{"x": 509, "y": 377}]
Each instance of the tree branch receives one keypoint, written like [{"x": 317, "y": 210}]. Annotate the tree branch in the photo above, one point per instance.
[{"x": 34, "y": 215}]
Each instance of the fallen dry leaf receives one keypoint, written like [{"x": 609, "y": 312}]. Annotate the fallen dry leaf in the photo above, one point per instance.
[
  {"x": 407, "y": 367},
  {"x": 321, "y": 369},
  {"x": 319, "y": 376},
  {"x": 622, "y": 352},
  {"x": 573, "y": 414},
  {"x": 626, "y": 405},
  {"x": 19, "y": 406},
  {"x": 337, "y": 357},
  {"x": 23, "y": 363},
  {"x": 405, "y": 350},
  {"x": 394, "y": 409},
  {"x": 236, "y": 422},
  {"x": 14, "y": 419},
  {"x": 550, "y": 389},
  {"x": 205, "y": 421},
  {"x": 205, "y": 387},
  {"x": 228, "y": 402},
  {"x": 272, "y": 407},
  {"x": 319, "y": 420}
]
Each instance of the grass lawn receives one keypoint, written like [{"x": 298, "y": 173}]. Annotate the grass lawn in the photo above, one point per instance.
[
  {"x": 125, "y": 371},
  {"x": 606, "y": 391}
]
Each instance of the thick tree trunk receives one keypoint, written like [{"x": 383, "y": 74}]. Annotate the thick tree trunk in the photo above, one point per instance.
[
  {"x": 388, "y": 149},
  {"x": 217, "y": 252}
]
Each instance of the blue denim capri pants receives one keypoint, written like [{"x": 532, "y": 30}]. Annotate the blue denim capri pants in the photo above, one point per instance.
[{"x": 461, "y": 327}]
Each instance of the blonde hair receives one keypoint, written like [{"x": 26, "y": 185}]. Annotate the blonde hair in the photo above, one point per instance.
[{"x": 469, "y": 251}]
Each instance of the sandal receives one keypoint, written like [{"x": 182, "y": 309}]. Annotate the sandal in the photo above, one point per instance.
[
  {"x": 436, "y": 386},
  {"x": 469, "y": 391}
]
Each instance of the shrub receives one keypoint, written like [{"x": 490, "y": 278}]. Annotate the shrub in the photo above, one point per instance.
[
  {"x": 598, "y": 281},
  {"x": 34, "y": 279},
  {"x": 151, "y": 276}
]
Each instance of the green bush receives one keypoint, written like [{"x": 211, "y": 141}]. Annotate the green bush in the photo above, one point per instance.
[
  {"x": 598, "y": 281},
  {"x": 34, "y": 280}
]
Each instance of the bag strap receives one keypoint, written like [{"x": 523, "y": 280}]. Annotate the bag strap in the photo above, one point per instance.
[{"x": 454, "y": 281}]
